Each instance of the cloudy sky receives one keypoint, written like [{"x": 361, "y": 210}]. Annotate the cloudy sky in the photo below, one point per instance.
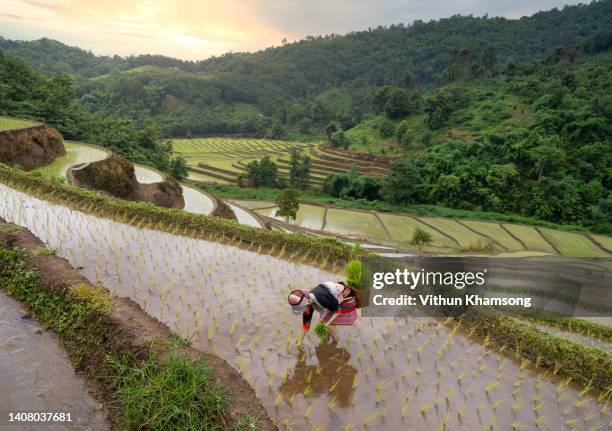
[{"x": 196, "y": 29}]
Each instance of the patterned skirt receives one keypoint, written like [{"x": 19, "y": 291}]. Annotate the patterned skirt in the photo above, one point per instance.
[{"x": 348, "y": 313}]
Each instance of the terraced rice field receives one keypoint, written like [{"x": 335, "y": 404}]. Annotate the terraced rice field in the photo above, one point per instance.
[
  {"x": 222, "y": 160},
  {"x": 531, "y": 238},
  {"x": 497, "y": 233},
  {"x": 8, "y": 123},
  {"x": 604, "y": 241},
  {"x": 568, "y": 242},
  {"x": 354, "y": 223},
  {"x": 309, "y": 216},
  {"x": 402, "y": 228},
  {"x": 220, "y": 156},
  {"x": 399, "y": 373},
  {"x": 78, "y": 152},
  {"x": 449, "y": 236}
]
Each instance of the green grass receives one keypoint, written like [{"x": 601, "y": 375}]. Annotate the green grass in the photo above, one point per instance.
[
  {"x": 175, "y": 392},
  {"x": 367, "y": 138},
  {"x": 7, "y": 123}
]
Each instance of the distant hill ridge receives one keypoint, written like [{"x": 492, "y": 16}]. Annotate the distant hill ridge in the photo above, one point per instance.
[{"x": 374, "y": 55}]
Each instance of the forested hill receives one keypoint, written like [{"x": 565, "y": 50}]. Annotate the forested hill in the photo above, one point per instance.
[
  {"x": 378, "y": 55},
  {"x": 298, "y": 88},
  {"x": 381, "y": 55}
]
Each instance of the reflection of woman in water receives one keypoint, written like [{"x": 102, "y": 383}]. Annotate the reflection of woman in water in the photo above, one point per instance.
[
  {"x": 335, "y": 301},
  {"x": 332, "y": 375}
]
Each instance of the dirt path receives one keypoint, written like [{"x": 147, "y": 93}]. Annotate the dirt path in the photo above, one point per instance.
[{"x": 36, "y": 374}]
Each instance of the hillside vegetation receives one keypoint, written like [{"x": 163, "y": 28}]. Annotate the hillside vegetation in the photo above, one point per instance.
[
  {"x": 534, "y": 142},
  {"x": 26, "y": 93},
  {"x": 483, "y": 114},
  {"x": 300, "y": 86}
]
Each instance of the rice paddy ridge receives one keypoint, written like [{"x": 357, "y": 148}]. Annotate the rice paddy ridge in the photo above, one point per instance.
[
  {"x": 303, "y": 248},
  {"x": 403, "y": 373}
]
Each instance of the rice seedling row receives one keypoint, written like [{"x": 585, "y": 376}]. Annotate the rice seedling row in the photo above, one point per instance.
[{"x": 402, "y": 373}]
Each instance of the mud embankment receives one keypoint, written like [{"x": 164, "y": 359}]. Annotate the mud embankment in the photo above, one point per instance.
[
  {"x": 223, "y": 210},
  {"x": 116, "y": 176},
  {"x": 128, "y": 329},
  {"x": 32, "y": 147}
]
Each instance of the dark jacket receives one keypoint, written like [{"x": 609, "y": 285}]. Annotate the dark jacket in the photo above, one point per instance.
[{"x": 323, "y": 297}]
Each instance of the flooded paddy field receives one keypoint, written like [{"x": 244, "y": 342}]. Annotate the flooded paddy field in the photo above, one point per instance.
[
  {"x": 36, "y": 375},
  {"x": 77, "y": 153},
  {"x": 393, "y": 373},
  {"x": 449, "y": 236}
]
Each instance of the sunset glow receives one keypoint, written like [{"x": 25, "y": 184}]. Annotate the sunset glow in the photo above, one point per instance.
[{"x": 198, "y": 29}]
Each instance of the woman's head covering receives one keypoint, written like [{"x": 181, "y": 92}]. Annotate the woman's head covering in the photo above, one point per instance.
[{"x": 298, "y": 301}]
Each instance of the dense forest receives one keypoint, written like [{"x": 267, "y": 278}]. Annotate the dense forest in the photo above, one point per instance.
[
  {"x": 485, "y": 114},
  {"x": 299, "y": 87}
]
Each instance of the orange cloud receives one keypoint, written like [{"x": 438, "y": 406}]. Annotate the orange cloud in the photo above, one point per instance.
[{"x": 179, "y": 28}]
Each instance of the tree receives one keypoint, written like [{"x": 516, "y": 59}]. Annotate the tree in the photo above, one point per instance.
[
  {"x": 440, "y": 106},
  {"x": 178, "y": 168},
  {"x": 400, "y": 103},
  {"x": 386, "y": 128},
  {"x": 339, "y": 140},
  {"x": 420, "y": 239},
  {"x": 288, "y": 204},
  {"x": 299, "y": 169},
  {"x": 489, "y": 60},
  {"x": 330, "y": 129},
  {"x": 403, "y": 183},
  {"x": 263, "y": 172}
]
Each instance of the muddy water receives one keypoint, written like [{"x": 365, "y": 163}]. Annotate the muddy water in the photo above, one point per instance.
[
  {"x": 604, "y": 345},
  {"x": 76, "y": 153},
  {"x": 146, "y": 175},
  {"x": 37, "y": 376},
  {"x": 308, "y": 216},
  {"x": 391, "y": 374},
  {"x": 243, "y": 216}
]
